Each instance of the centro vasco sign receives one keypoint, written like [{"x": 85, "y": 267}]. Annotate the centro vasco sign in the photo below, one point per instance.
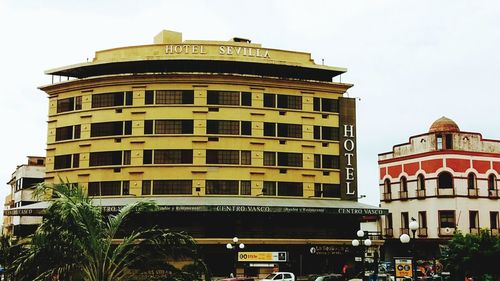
[{"x": 262, "y": 256}]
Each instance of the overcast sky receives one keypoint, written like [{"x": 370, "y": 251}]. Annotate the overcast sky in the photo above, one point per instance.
[{"x": 411, "y": 62}]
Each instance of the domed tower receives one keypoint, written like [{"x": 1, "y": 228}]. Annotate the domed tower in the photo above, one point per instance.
[{"x": 443, "y": 129}]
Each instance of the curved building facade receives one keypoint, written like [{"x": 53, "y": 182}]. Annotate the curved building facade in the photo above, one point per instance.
[
  {"x": 447, "y": 180},
  {"x": 230, "y": 138}
]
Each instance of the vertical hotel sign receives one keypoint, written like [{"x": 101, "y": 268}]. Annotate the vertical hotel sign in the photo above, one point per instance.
[{"x": 348, "y": 161}]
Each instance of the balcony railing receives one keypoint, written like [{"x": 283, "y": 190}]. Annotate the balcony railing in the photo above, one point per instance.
[
  {"x": 445, "y": 192},
  {"x": 446, "y": 231},
  {"x": 403, "y": 195},
  {"x": 473, "y": 192},
  {"x": 495, "y": 231},
  {"x": 493, "y": 193},
  {"x": 403, "y": 230},
  {"x": 387, "y": 197},
  {"x": 388, "y": 232},
  {"x": 421, "y": 193},
  {"x": 422, "y": 231},
  {"x": 474, "y": 230}
]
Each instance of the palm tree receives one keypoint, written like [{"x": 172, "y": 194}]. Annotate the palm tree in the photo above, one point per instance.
[{"x": 76, "y": 242}]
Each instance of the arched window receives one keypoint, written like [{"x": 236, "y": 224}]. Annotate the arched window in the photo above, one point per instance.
[
  {"x": 403, "y": 184},
  {"x": 445, "y": 180},
  {"x": 421, "y": 182},
  {"x": 387, "y": 186},
  {"x": 471, "y": 181},
  {"x": 492, "y": 182}
]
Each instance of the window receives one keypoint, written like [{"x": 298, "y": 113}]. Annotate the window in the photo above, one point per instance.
[
  {"x": 229, "y": 98},
  {"x": 289, "y": 159},
  {"x": 439, "y": 142},
  {"x": 64, "y": 133},
  {"x": 223, "y": 157},
  {"x": 405, "y": 222},
  {"x": 224, "y": 127},
  {"x": 107, "y": 158},
  {"x": 161, "y": 187},
  {"x": 422, "y": 223},
  {"x": 420, "y": 182},
  {"x": 387, "y": 186},
  {"x": 388, "y": 229},
  {"x": 326, "y": 161},
  {"x": 290, "y": 189},
  {"x": 245, "y": 187},
  {"x": 448, "y": 141},
  {"x": 492, "y": 182},
  {"x": 246, "y": 157},
  {"x": 168, "y": 126},
  {"x": 283, "y": 101},
  {"x": 329, "y": 133},
  {"x": 147, "y": 157},
  {"x": 445, "y": 180},
  {"x": 117, "y": 128},
  {"x": 284, "y": 130},
  {"x": 169, "y": 97},
  {"x": 473, "y": 219},
  {"x": 108, "y": 188},
  {"x": 494, "y": 221},
  {"x": 111, "y": 99},
  {"x": 269, "y": 188},
  {"x": 146, "y": 187},
  {"x": 66, "y": 161},
  {"x": 228, "y": 187},
  {"x": 403, "y": 184},
  {"x": 269, "y": 158},
  {"x": 327, "y": 190},
  {"x": 173, "y": 156},
  {"x": 69, "y": 104},
  {"x": 269, "y": 129},
  {"x": 325, "y": 104},
  {"x": 471, "y": 181},
  {"x": 447, "y": 219}
]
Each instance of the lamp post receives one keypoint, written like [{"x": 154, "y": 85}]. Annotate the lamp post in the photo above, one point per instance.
[
  {"x": 365, "y": 244},
  {"x": 235, "y": 246},
  {"x": 405, "y": 239}
]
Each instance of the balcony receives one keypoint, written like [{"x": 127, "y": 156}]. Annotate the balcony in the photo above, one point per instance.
[
  {"x": 420, "y": 193},
  {"x": 474, "y": 230},
  {"x": 387, "y": 197},
  {"x": 388, "y": 232},
  {"x": 422, "y": 232},
  {"x": 403, "y": 195},
  {"x": 493, "y": 193},
  {"x": 445, "y": 192},
  {"x": 495, "y": 231},
  {"x": 473, "y": 192},
  {"x": 403, "y": 230},
  {"x": 446, "y": 231}
]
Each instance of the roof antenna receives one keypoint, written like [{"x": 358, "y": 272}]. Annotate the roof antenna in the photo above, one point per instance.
[{"x": 322, "y": 61}]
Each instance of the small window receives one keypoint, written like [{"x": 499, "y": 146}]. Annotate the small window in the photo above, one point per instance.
[
  {"x": 494, "y": 220},
  {"x": 439, "y": 142},
  {"x": 471, "y": 181},
  {"x": 422, "y": 219},
  {"x": 492, "y": 182},
  {"x": 421, "y": 182},
  {"x": 387, "y": 186},
  {"x": 445, "y": 180},
  {"x": 447, "y": 219},
  {"x": 146, "y": 187},
  {"x": 405, "y": 222},
  {"x": 448, "y": 141},
  {"x": 403, "y": 184},
  {"x": 473, "y": 219},
  {"x": 269, "y": 188},
  {"x": 245, "y": 187},
  {"x": 269, "y": 100},
  {"x": 246, "y": 128},
  {"x": 269, "y": 129}
]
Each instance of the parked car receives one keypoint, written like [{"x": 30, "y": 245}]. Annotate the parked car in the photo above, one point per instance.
[
  {"x": 237, "y": 279},
  {"x": 327, "y": 277},
  {"x": 281, "y": 276}
]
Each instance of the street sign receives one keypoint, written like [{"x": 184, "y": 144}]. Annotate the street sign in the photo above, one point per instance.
[
  {"x": 403, "y": 267},
  {"x": 262, "y": 256}
]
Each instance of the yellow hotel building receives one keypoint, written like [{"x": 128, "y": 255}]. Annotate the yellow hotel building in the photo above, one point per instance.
[{"x": 230, "y": 138}]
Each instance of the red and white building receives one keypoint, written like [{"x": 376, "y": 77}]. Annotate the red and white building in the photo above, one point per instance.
[{"x": 446, "y": 179}]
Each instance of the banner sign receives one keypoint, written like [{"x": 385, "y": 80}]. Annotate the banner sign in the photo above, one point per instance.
[{"x": 348, "y": 154}]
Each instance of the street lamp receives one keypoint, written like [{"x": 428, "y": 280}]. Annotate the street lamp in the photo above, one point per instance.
[
  {"x": 405, "y": 239},
  {"x": 235, "y": 246},
  {"x": 365, "y": 244}
]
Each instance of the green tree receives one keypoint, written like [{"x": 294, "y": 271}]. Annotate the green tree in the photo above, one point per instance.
[
  {"x": 76, "y": 242},
  {"x": 474, "y": 256}
]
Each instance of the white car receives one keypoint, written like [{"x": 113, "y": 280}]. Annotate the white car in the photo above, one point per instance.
[{"x": 282, "y": 276}]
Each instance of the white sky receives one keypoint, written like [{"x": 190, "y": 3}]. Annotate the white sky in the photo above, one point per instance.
[{"x": 411, "y": 62}]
